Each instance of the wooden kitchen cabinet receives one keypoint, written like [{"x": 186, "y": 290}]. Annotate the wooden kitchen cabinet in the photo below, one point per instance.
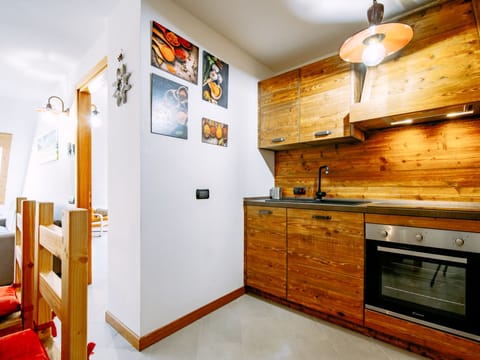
[
  {"x": 325, "y": 99},
  {"x": 306, "y": 105},
  {"x": 326, "y": 262},
  {"x": 278, "y": 114},
  {"x": 436, "y": 73},
  {"x": 266, "y": 249}
]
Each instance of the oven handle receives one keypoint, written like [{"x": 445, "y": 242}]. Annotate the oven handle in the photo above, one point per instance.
[{"x": 424, "y": 255}]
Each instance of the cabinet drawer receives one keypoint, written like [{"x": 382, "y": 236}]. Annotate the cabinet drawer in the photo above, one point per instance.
[{"x": 328, "y": 238}]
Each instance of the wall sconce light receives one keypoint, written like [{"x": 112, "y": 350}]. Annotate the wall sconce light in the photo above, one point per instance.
[
  {"x": 95, "y": 118},
  {"x": 49, "y": 107},
  {"x": 372, "y": 45}
]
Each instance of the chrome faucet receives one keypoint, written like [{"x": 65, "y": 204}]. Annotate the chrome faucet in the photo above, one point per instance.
[{"x": 320, "y": 194}]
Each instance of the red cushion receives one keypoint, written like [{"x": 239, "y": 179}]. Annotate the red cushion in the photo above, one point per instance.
[
  {"x": 22, "y": 345},
  {"x": 9, "y": 302}
]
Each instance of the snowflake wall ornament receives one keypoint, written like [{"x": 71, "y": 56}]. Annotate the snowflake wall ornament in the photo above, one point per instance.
[{"x": 121, "y": 84}]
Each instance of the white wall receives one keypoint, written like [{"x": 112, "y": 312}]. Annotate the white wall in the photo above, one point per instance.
[
  {"x": 19, "y": 119},
  {"x": 124, "y": 170},
  {"x": 192, "y": 250},
  {"x": 170, "y": 254},
  {"x": 54, "y": 180}
]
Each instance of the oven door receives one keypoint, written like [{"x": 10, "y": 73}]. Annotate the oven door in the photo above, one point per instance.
[{"x": 433, "y": 287}]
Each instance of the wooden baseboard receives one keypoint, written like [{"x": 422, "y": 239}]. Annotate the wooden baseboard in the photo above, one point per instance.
[
  {"x": 141, "y": 343},
  {"x": 123, "y": 330}
]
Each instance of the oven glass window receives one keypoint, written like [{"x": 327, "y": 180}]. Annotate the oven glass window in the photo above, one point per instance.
[{"x": 434, "y": 283}]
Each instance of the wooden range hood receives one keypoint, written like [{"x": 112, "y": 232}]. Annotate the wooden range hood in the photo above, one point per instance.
[
  {"x": 417, "y": 117},
  {"x": 437, "y": 74}
]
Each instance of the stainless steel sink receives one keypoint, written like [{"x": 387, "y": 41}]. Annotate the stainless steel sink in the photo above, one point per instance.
[{"x": 346, "y": 202}]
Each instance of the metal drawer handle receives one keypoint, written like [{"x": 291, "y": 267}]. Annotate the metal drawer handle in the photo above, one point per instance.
[
  {"x": 321, "y": 217},
  {"x": 278, "y": 140},
  {"x": 323, "y": 133},
  {"x": 265, "y": 212}
]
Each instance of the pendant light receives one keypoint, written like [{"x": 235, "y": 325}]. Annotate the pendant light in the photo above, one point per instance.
[{"x": 372, "y": 45}]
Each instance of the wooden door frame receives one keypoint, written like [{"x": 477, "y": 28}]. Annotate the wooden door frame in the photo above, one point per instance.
[{"x": 83, "y": 178}]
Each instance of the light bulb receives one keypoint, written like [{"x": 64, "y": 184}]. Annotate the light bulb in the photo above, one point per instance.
[
  {"x": 95, "y": 118},
  {"x": 373, "y": 54},
  {"x": 95, "y": 121}
]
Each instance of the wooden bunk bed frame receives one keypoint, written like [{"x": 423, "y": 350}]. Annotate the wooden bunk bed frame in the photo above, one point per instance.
[{"x": 65, "y": 296}]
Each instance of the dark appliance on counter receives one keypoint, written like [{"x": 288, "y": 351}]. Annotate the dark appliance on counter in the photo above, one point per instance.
[{"x": 427, "y": 276}]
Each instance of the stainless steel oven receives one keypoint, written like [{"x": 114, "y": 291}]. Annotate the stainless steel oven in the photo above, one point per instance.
[{"x": 428, "y": 276}]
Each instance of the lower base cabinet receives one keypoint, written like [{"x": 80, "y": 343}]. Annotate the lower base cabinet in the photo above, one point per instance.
[
  {"x": 326, "y": 262},
  {"x": 266, "y": 249},
  {"x": 314, "y": 259}
]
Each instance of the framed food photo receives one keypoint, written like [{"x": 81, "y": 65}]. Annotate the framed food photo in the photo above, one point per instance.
[
  {"x": 174, "y": 54},
  {"x": 214, "y": 132},
  {"x": 214, "y": 80},
  {"x": 169, "y": 108}
]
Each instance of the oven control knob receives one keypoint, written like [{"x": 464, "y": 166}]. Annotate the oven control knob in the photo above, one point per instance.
[
  {"x": 419, "y": 237},
  {"x": 384, "y": 233},
  {"x": 459, "y": 242}
]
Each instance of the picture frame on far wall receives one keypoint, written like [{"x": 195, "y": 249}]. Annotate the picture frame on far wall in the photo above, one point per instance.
[
  {"x": 214, "y": 80},
  {"x": 47, "y": 146},
  {"x": 173, "y": 53},
  {"x": 169, "y": 107}
]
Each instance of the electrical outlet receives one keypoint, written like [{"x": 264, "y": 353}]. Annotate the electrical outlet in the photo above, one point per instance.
[{"x": 299, "y": 190}]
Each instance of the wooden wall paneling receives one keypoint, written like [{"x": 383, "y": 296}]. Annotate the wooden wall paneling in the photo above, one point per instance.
[
  {"x": 476, "y": 11},
  {"x": 437, "y": 161}
]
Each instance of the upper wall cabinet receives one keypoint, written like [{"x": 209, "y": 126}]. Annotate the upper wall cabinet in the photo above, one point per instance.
[
  {"x": 278, "y": 110},
  {"x": 306, "y": 106},
  {"x": 438, "y": 72},
  {"x": 325, "y": 98}
]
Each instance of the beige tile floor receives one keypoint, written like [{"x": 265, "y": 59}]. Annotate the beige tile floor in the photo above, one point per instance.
[{"x": 248, "y": 328}]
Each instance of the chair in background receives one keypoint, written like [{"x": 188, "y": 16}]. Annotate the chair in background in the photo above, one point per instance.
[{"x": 99, "y": 221}]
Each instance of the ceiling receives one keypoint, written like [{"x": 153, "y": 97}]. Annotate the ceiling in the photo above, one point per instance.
[
  {"x": 42, "y": 41},
  {"x": 283, "y": 34}
]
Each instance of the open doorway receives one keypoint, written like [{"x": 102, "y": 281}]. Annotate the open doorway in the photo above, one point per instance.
[{"x": 91, "y": 164}]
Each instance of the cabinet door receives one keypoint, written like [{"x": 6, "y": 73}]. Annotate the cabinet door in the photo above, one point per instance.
[
  {"x": 326, "y": 261},
  {"x": 266, "y": 249},
  {"x": 278, "y": 106},
  {"x": 438, "y": 69},
  {"x": 325, "y": 98}
]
